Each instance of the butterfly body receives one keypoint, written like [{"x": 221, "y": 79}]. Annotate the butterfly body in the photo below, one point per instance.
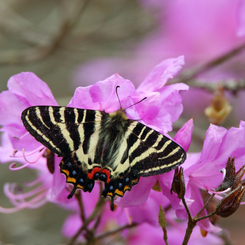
[{"x": 96, "y": 145}]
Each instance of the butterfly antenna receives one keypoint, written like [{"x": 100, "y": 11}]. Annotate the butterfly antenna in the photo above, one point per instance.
[
  {"x": 118, "y": 96},
  {"x": 136, "y": 103}
]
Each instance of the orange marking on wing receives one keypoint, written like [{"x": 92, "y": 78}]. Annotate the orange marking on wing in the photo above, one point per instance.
[
  {"x": 119, "y": 193},
  {"x": 66, "y": 172},
  {"x": 126, "y": 188},
  {"x": 80, "y": 187},
  {"x": 71, "y": 180},
  {"x": 110, "y": 194},
  {"x": 135, "y": 181}
]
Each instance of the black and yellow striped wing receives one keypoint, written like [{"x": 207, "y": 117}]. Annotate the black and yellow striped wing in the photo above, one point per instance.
[
  {"x": 60, "y": 129},
  {"x": 99, "y": 146}
]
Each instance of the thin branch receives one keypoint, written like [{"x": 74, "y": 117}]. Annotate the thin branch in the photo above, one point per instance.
[
  {"x": 81, "y": 206},
  {"x": 68, "y": 23},
  {"x": 206, "y": 216},
  {"x": 112, "y": 232},
  {"x": 204, "y": 206},
  {"x": 42, "y": 50},
  {"x": 231, "y": 85},
  {"x": 97, "y": 210},
  {"x": 187, "y": 209},
  {"x": 189, "y": 230},
  {"x": 210, "y": 65}
]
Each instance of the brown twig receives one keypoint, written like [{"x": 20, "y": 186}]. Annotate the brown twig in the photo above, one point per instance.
[
  {"x": 189, "y": 75},
  {"x": 112, "y": 232},
  {"x": 97, "y": 210},
  {"x": 192, "y": 221},
  {"x": 231, "y": 85},
  {"x": 81, "y": 206},
  {"x": 42, "y": 50}
]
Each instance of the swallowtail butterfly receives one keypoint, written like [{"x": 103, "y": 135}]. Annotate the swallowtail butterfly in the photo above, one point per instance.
[{"x": 96, "y": 145}]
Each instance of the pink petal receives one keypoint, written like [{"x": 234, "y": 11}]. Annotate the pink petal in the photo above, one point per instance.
[
  {"x": 102, "y": 95},
  {"x": 183, "y": 136},
  {"x": 9, "y": 113},
  {"x": 212, "y": 142},
  {"x": 161, "y": 73},
  {"x": 71, "y": 225},
  {"x": 165, "y": 181},
  {"x": 138, "y": 194},
  {"x": 30, "y": 86},
  {"x": 241, "y": 19}
]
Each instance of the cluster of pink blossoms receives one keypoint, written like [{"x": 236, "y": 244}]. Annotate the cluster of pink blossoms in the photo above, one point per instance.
[{"x": 141, "y": 205}]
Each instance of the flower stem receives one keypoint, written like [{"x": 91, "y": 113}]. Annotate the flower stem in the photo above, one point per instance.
[
  {"x": 112, "y": 232},
  {"x": 204, "y": 206},
  {"x": 189, "y": 229},
  {"x": 191, "y": 224},
  {"x": 81, "y": 206},
  {"x": 96, "y": 212}
]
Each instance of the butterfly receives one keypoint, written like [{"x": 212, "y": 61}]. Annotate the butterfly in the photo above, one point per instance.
[{"x": 95, "y": 145}]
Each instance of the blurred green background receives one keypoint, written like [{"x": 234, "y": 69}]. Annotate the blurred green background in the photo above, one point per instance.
[{"x": 52, "y": 38}]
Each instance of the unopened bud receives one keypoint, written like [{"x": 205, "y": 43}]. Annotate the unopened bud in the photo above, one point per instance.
[
  {"x": 229, "y": 204},
  {"x": 178, "y": 185},
  {"x": 230, "y": 174},
  {"x": 157, "y": 187},
  {"x": 219, "y": 108},
  {"x": 50, "y": 160}
]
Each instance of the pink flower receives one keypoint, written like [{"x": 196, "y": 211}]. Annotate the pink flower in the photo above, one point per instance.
[
  {"x": 26, "y": 89},
  {"x": 161, "y": 108},
  {"x": 175, "y": 232},
  {"x": 202, "y": 170}
]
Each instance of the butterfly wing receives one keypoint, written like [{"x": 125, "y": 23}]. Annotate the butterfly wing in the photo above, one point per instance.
[
  {"x": 61, "y": 129},
  {"x": 143, "y": 152},
  {"x": 150, "y": 152},
  {"x": 70, "y": 133}
]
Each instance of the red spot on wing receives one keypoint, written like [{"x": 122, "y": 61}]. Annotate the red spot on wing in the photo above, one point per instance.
[
  {"x": 94, "y": 171},
  {"x": 107, "y": 173}
]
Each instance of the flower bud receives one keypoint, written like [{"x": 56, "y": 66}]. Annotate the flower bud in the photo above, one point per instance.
[
  {"x": 178, "y": 185},
  {"x": 230, "y": 174},
  {"x": 157, "y": 187},
  {"x": 232, "y": 178},
  {"x": 50, "y": 160},
  {"x": 219, "y": 108},
  {"x": 230, "y": 203}
]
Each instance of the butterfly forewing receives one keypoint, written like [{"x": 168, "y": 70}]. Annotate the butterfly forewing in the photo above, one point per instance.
[
  {"x": 153, "y": 153},
  {"x": 60, "y": 129}
]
